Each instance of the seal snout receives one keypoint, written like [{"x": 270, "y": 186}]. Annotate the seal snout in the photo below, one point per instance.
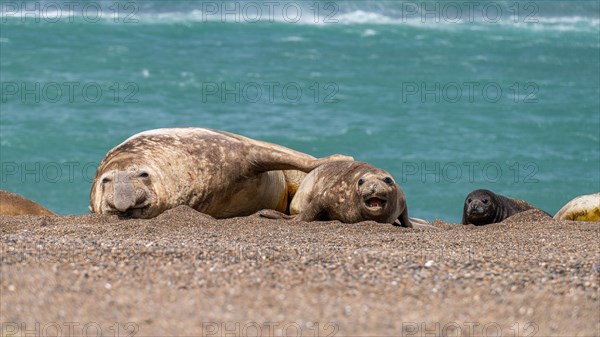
[
  {"x": 475, "y": 208},
  {"x": 127, "y": 195}
]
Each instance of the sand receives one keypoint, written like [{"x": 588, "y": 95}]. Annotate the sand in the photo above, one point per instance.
[{"x": 187, "y": 274}]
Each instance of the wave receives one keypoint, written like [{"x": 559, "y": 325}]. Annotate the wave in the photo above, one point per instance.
[
  {"x": 569, "y": 23},
  {"x": 300, "y": 13}
]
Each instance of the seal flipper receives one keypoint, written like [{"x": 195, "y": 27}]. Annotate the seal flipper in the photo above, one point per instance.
[
  {"x": 274, "y": 160},
  {"x": 275, "y": 215},
  {"x": 421, "y": 224},
  {"x": 266, "y": 156},
  {"x": 310, "y": 213},
  {"x": 404, "y": 220}
]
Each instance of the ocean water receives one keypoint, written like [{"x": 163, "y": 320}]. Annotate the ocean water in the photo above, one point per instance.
[{"x": 501, "y": 95}]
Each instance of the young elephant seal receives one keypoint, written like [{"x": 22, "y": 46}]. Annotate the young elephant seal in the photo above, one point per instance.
[
  {"x": 217, "y": 173},
  {"x": 582, "y": 208},
  {"x": 14, "y": 204},
  {"x": 350, "y": 192},
  {"x": 483, "y": 207}
]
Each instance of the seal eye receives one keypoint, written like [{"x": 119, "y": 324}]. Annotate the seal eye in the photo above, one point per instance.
[
  {"x": 361, "y": 181},
  {"x": 485, "y": 201},
  {"x": 144, "y": 175},
  {"x": 469, "y": 201},
  {"x": 105, "y": 180},
  {"x": 388, "y": 180}
]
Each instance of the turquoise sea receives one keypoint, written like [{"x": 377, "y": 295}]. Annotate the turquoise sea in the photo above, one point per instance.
[{"x": 447, "y": 96}]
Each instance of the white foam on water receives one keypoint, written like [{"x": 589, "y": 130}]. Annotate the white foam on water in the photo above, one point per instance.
[
  {"x": 53, "y": 14},
  {"x": 293, "y": 39},
  {"x": 570, "y": 19},
  {"x": 561, "y": 24},
  {"x": 362, "y": 17},
  {"x": 369, "y": 32}
]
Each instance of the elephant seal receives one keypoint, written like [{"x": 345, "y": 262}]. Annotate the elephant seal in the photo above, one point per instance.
[
  {"x": 582, "y": 208},
  {"x": 215, "y": 172},
  {"x": 483, "y": 207},
  {"x": 14, "y": 204},
  {"x": 350, "y": 192}
]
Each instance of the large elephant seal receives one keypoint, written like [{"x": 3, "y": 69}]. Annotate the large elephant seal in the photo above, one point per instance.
[
  {"x": 582, "y": 208},
  {"x": 217, "y": 173},
  {"x": 483, "y": 207},
  {"x": 350, "y": 192},
  {"x": 14, "y": 204}
]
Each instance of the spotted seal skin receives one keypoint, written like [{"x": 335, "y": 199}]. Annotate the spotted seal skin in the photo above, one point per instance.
[
  {"x": 350, "y": 192},
  {"x": 582, "y": 208},
  {"x": 14, "y": 204},
  {"x": 215, "y": 172},
  {"x": 483, "y": 207}
]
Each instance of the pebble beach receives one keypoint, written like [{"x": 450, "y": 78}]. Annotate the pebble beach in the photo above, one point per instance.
[{"x": 187, "y": 274}]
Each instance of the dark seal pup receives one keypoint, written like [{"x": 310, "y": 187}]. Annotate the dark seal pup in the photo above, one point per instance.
[{"x": 483, "y": 207}]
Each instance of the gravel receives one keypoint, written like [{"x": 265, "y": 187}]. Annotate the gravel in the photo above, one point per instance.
[{"x": 185, "y": 273}]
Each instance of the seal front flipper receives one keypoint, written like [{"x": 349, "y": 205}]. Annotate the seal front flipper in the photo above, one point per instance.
[
  {"x": 422, "y": 224},
  {"x": 404, "y": 220},
  {"x": 277, "y": 160},
  {"x": 312, "y": 212},
  {"x": 274, "y": 215}
]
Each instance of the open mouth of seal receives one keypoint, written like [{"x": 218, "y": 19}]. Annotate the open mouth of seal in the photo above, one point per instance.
[{"x": 375, "y": 203}]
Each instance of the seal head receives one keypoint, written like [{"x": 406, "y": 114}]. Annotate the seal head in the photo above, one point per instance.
[
  {"x": 480, "y": 207},
  {"x": 376, "y": 188},
  {"x": 131, "y": 191}
]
